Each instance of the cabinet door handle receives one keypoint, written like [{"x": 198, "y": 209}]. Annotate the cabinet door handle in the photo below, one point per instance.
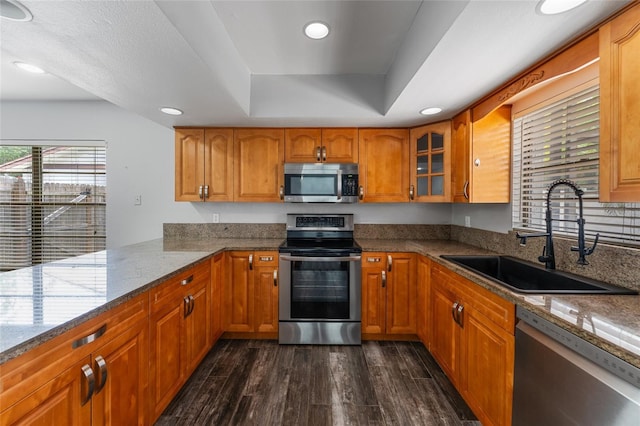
[
  {"x": 384, "y": 279},
  {"x": 251, "y": 262},
  {"x": 324, "y": 153},
  {"x": 275, "y": 278},
  {"x": 459, "y": 314},
  {"x": 454, "y": 310},
  {"x": 187, "y": 280},
  {"x": 90, "y": 338},
  {"x": 411, "y": 192},
  {"x": 361, "y": 192},
  {"x": 192, "y": 304},
  {"x": 206, "y": 192},
  {"x": 281, "y": 192},
  {"x": 200, "y": 194},
  {"x": 90, "y": 382},
  {"x": 465, "y": 190},
  {"x": 101, "y": 366},
  {"x": 389, "y": 262},
  {"x": 187, "y": 306},
  {"x": 318, "y": 154}
]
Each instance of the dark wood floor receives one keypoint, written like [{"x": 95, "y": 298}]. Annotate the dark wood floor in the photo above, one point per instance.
[{"x": 258, "y": 382}]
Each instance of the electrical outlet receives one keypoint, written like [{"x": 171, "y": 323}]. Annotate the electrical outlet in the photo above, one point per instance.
[
  {"x": 467, "y": 221},
  {"x": 215, "y": 218},
  {"x": 137, "y": 201}
]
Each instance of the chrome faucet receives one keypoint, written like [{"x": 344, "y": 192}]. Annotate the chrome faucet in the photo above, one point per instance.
[{"x": 548, "y": 255}]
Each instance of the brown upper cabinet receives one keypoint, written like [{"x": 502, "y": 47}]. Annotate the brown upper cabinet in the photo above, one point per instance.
[
  {"x": 481, "y": 157},
  {"x": 620, "y": 108},
  {"x": 384, "y": 165},
  {"x": 204, "y": 164},
  {"x": 332, "y": 145},
  {"x": 431, "y": 163},
  {"x": 258, "y": 164}
]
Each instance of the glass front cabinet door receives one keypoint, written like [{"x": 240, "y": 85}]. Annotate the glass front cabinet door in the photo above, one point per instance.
[{"x": 431, "y": 163}]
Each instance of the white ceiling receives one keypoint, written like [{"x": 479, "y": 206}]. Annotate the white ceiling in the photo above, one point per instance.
[{"x": 248, "y": 63}]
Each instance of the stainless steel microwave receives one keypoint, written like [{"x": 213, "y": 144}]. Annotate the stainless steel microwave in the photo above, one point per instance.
[{"x": 320, "y": 183}]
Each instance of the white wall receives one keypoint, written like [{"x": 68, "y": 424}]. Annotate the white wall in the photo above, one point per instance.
[
  {"x": 140, "y": 160},
  {"x": 492, "y": 217}
]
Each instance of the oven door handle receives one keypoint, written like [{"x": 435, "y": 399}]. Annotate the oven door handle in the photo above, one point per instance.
[{"x": 321, "y": 259}]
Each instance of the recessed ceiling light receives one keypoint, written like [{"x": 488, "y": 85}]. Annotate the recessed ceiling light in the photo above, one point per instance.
[
  {"x": 29, "y": 68},
  {"x": 431, "y": 111},
  {"x": 14, "y": 11},
  {"x": 316, "y": 30},
  {"x": 171, "y": 111},
  {"x": 553, "y": 7}
]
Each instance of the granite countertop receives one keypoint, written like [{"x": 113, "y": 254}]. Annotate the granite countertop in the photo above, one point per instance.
[
  {"x": 44, "y": 301},
  {"x": 41, "y": 302}
]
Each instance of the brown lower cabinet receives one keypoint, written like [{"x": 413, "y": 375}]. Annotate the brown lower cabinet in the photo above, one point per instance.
[
  {"x": 473, "y": 341},
  {"x": 180, "y": 333},
  {"x": 148, "y": 347},
  {"x": 250, "y": 293},
  {"x": 56, "y": 383},
  {"x": 389, "y": 294}
]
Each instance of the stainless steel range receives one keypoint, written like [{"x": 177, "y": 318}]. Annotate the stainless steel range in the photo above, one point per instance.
[{"x": 320, "y": 290}]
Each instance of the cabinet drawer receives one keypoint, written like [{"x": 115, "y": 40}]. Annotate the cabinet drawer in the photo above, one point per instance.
[
  {"x": 27, "y": 372},
  {"x": 495, "y": 308},
  {"x": 175, "y": 287}
]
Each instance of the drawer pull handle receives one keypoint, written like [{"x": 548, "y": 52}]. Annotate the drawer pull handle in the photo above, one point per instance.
[
  {"x": 187, "y": 280},
  {"x": 373, "y": 259},
  {"x": 101, "y": 365},
  {"x": 90, "y": 381},
  {"x": 266, "y": 258},
  {"x": 90, "y": 338}
]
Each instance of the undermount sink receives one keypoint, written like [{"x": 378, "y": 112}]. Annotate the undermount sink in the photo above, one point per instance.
[{"x": 524, "y": 277}]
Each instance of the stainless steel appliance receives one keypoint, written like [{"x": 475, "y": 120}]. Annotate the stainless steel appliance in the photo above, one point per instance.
[
  {"x": 561, "y": 379},
  {"x": 320, "y": 290},
  {"x": 320, "y": 183}
]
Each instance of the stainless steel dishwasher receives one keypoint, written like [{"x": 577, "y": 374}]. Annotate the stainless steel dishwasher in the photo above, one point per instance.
[{"x": 561, "y": 379}]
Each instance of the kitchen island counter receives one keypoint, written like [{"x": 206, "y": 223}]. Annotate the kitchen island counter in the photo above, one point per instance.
[{"x": 44, "y": 301}]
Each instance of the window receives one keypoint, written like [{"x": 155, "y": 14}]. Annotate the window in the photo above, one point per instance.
[
  {"x": 561, "y": 141},
  {"x": 52, "y": 202}
]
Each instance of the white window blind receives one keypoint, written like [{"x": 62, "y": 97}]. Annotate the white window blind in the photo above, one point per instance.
[
  {"x": 52, "y": 203},
  {"x": 561, "y": 141}
]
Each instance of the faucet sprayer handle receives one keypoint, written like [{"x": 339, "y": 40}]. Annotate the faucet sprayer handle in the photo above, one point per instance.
[
  {"x": 545, "y": 256},
  {"x": 590, "y": 250}
]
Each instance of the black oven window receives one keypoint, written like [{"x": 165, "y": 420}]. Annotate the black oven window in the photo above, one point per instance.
[
  {"x": 311, "y": 184},
  {"x": 320, "y": 290}
]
